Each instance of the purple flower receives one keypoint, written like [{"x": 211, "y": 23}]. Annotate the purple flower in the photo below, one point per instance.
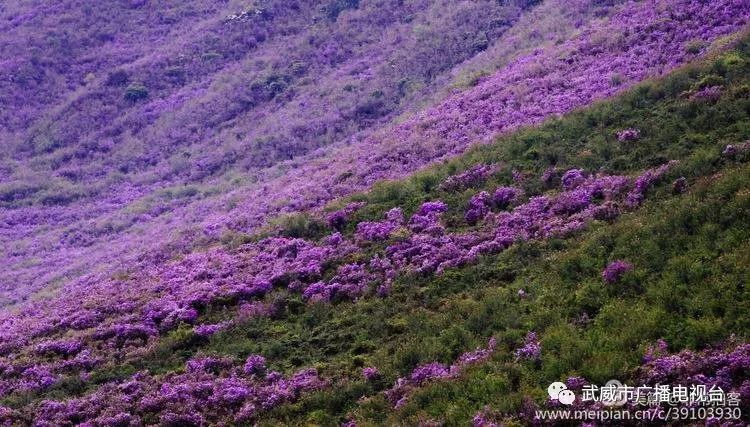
[
  {"x": 479, "y": 206},
  {"x": 729, "y": 151},
  {"x": 575, "y": 383},
  {"x": 531, "y": 349},
  {"x": 709, "y": 93},
  {"x": 337, "y": 219},
  {"x": 428, "y": 208},
  {"x": 644, "y": 181},
  {"x": 483, "y": 419},
  {"x": 615, "y": 270},
  {"x": 732, "y": 150},
  {"x": 572, "y": 178},
  {"x": 629, "y": 134},
  {"x": 254, "y": 364},
  {"x": 504, "y": 196},
  {"x": 61, "y": 347},
  {"x": 208, "y": 330},
  {"x": 382, "y": 230},
  {"x": 470, "y": 178},
  {"x": 334, "y": 239},
  {"x": 317, "y": 291},
  {"x": 370, "y": 373},
  {"x": 679, "y": 186},
  {"x": 429, "y": 372}
]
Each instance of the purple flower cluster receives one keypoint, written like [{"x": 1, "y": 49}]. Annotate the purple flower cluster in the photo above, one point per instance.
[
  {"x": 594, "y": 197},
  {"x": 208, "y": 330},
  {"x": 479, "y": 206},
  {"x": 351, "y": 282},
  {"x": 615, "y": 270},
  {"x": 629, "y": 134},
  {"x": 371, "y": 373},
  {"x": 337, "y": 219},
  {"x": 646, "y": 180},
  {"x": 211, "y": 391},
  {"x": 473, "y": 177},
  {"x": 680, "y": 185},
  {"x": 435, "y": 207},
  {"x": 483, "y": 418},
  {"x": 427, "y": 218},
  {"x": 504, "y": 196},
  {"x": 733, "y": 150},
  {"x": 531, "y": 349},
  {"x": 255, "y": 364},
  {"x": 725, "y": 368},
  {"x": 123, "y": 318},
  {"x": 481, "y": 203},
  {"x": 60, "y": 347},
  {"x": 404, "y": 386},
  {"x": 572, "y": 178},
  {"x": 709, "y": 93},
  {"x": 381, "y": 230}
]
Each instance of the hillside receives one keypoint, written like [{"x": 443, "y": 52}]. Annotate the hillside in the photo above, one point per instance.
[
  {"x": 368, "y": 213},
  {"x": 161, "y": 144}
]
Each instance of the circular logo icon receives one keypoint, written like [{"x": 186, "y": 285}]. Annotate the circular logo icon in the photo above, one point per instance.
[
  {"x": 566, "y": 397},
  {"x": 555, "y": 388}
]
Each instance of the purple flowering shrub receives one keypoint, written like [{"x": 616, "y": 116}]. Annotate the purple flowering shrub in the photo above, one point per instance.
[
  {"x": 479, "y": 206},
  {"x": 531, "y": 348},
  {"x": 210, "y": 391},
  {"x": 726, "y": 368},
  {"x": 381, "y": 230},
  {"x": 615, "y": 270},
  {"x": 371, "y": 373},
  {"x": 504, "y": 196},
  {"x": 629, "y": 134},
  {"x": 646, "y": 180},
  {"x": 429, "y": 372},
  {"x": 710, "y": 93},
  {"x": 572, "y": 178},
  {"x": 734, "y": 151},
  {"x": 338, "y": 219},
  {"x": 472, "y": 177}
]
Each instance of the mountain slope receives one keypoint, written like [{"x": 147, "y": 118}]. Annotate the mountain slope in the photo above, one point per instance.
[
  {"x": 174, "y": 343},
  {"x": 166, "y": 149}
]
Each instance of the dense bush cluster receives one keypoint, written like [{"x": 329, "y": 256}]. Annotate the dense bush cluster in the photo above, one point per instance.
[
  {"x": 212, "y": 390},
  {"x": 399, "y": 393}
]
